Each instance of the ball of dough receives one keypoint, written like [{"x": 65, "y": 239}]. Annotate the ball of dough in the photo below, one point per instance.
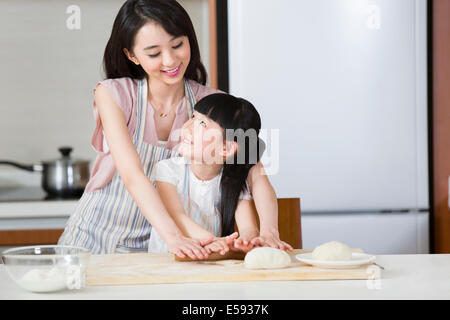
[
  {"x": 266, "y": 258},
  {"x": 332, "y": 251}
]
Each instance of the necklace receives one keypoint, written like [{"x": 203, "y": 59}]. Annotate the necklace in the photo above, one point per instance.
[{"x": 165, "y": 114}]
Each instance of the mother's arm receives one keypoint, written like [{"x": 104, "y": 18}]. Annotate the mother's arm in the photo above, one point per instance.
[
  {"x": 172, "y": 202},
  {"x": 129, "y": 167}
]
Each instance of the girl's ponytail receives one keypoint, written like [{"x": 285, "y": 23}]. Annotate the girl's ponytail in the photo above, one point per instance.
[
  {"x": 240, "y": 118},
  {"x": 233, "y": 182}
]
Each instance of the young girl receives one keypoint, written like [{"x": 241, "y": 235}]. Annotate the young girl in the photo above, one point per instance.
[{"x": 206, "y": 190}]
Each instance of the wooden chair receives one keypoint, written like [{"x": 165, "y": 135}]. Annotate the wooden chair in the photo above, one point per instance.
[{"x": 289, "y": 222}]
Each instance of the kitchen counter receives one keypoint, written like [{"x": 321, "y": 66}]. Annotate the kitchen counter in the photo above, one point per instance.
[
  {"x": 23, "y": 203},
  {"x": 25, "y": 215},
  {"x": 37, "y": 209},
  {"x": 425, "y": 276}
]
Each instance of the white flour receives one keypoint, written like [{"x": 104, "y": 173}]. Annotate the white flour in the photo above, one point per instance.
[{"x": 43, "y": 280}]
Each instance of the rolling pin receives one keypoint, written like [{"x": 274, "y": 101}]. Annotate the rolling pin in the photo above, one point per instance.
[{"x": 232, "y": 255}]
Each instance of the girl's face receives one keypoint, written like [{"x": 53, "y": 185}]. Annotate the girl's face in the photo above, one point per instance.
[
  {"x": 162, "y": 56},
  {"x": 202, "y": 140}
]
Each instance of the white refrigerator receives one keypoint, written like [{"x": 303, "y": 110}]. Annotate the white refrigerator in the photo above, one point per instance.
[{"x": 341, "y": 86}]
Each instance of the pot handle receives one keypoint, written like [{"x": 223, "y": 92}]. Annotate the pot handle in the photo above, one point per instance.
[{"x": 31, "y": 167}]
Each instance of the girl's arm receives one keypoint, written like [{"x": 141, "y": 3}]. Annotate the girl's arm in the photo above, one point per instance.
[
  {"x": 129, "y": 167},
  {"x": 172, "y": 202},
  {"x": 267, "y": 207},
  {"x": 247, "y": 226}
]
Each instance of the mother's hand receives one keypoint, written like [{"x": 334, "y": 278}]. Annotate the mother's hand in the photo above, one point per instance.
[{"x": 182, "y": 246}]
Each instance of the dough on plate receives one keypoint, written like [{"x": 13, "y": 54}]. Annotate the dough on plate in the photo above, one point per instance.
[
  {"x": 332, "y": 251},
  {"x": 266, "y": 258}
]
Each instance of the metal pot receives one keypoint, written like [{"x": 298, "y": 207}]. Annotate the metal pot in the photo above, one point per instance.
[{"x": 64, "y": 177}]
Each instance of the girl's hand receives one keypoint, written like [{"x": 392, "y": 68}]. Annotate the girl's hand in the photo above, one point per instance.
[
  {"x": 182, "y": 246},
  {"x": 244, "y": 242},
  {"x": 271, "y": 239},
  {"x": 222, "y": 244}
]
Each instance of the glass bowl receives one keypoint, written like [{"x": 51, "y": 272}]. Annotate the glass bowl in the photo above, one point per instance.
[{"x": 47, "y": 268}]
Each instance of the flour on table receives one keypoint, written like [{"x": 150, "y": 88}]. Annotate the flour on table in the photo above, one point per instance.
[{"x": 43, "y": 280}]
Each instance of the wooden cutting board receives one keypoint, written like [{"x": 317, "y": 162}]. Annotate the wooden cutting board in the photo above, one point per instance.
[{"x": 146, "y": 268}]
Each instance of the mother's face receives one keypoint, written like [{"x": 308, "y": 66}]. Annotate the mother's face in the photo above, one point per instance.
[{"x": 163, "y": 57}]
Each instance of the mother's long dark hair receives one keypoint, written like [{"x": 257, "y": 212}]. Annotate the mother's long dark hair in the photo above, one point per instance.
[
  {"x": 241, "y": 123},
  {"x": 131, "y": 17}
]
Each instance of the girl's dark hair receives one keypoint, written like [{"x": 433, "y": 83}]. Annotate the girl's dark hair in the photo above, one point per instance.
[
  {"x": 241, "y": 123},
  {"x": 131, "y": 17}
]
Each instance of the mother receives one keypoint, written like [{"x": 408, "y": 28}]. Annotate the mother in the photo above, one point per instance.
[{"x": 154, "y": 78}]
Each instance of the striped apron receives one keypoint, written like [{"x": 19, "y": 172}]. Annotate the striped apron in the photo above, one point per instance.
[
  {"x": 210, "y": 222},
  {"x": 108, "y": 220}
]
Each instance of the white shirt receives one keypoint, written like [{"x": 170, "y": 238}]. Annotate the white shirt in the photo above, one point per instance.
[{"x": 204, "y": 193}]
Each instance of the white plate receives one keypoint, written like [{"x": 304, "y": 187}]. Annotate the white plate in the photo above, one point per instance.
[{"x": 358, "y": 259}]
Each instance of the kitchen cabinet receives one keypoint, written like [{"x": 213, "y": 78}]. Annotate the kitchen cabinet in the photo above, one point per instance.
[
  {"x": 440, "y": 69},
  {"x": 29, "y": 237},
  {"x": 33, "y": 222}
]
